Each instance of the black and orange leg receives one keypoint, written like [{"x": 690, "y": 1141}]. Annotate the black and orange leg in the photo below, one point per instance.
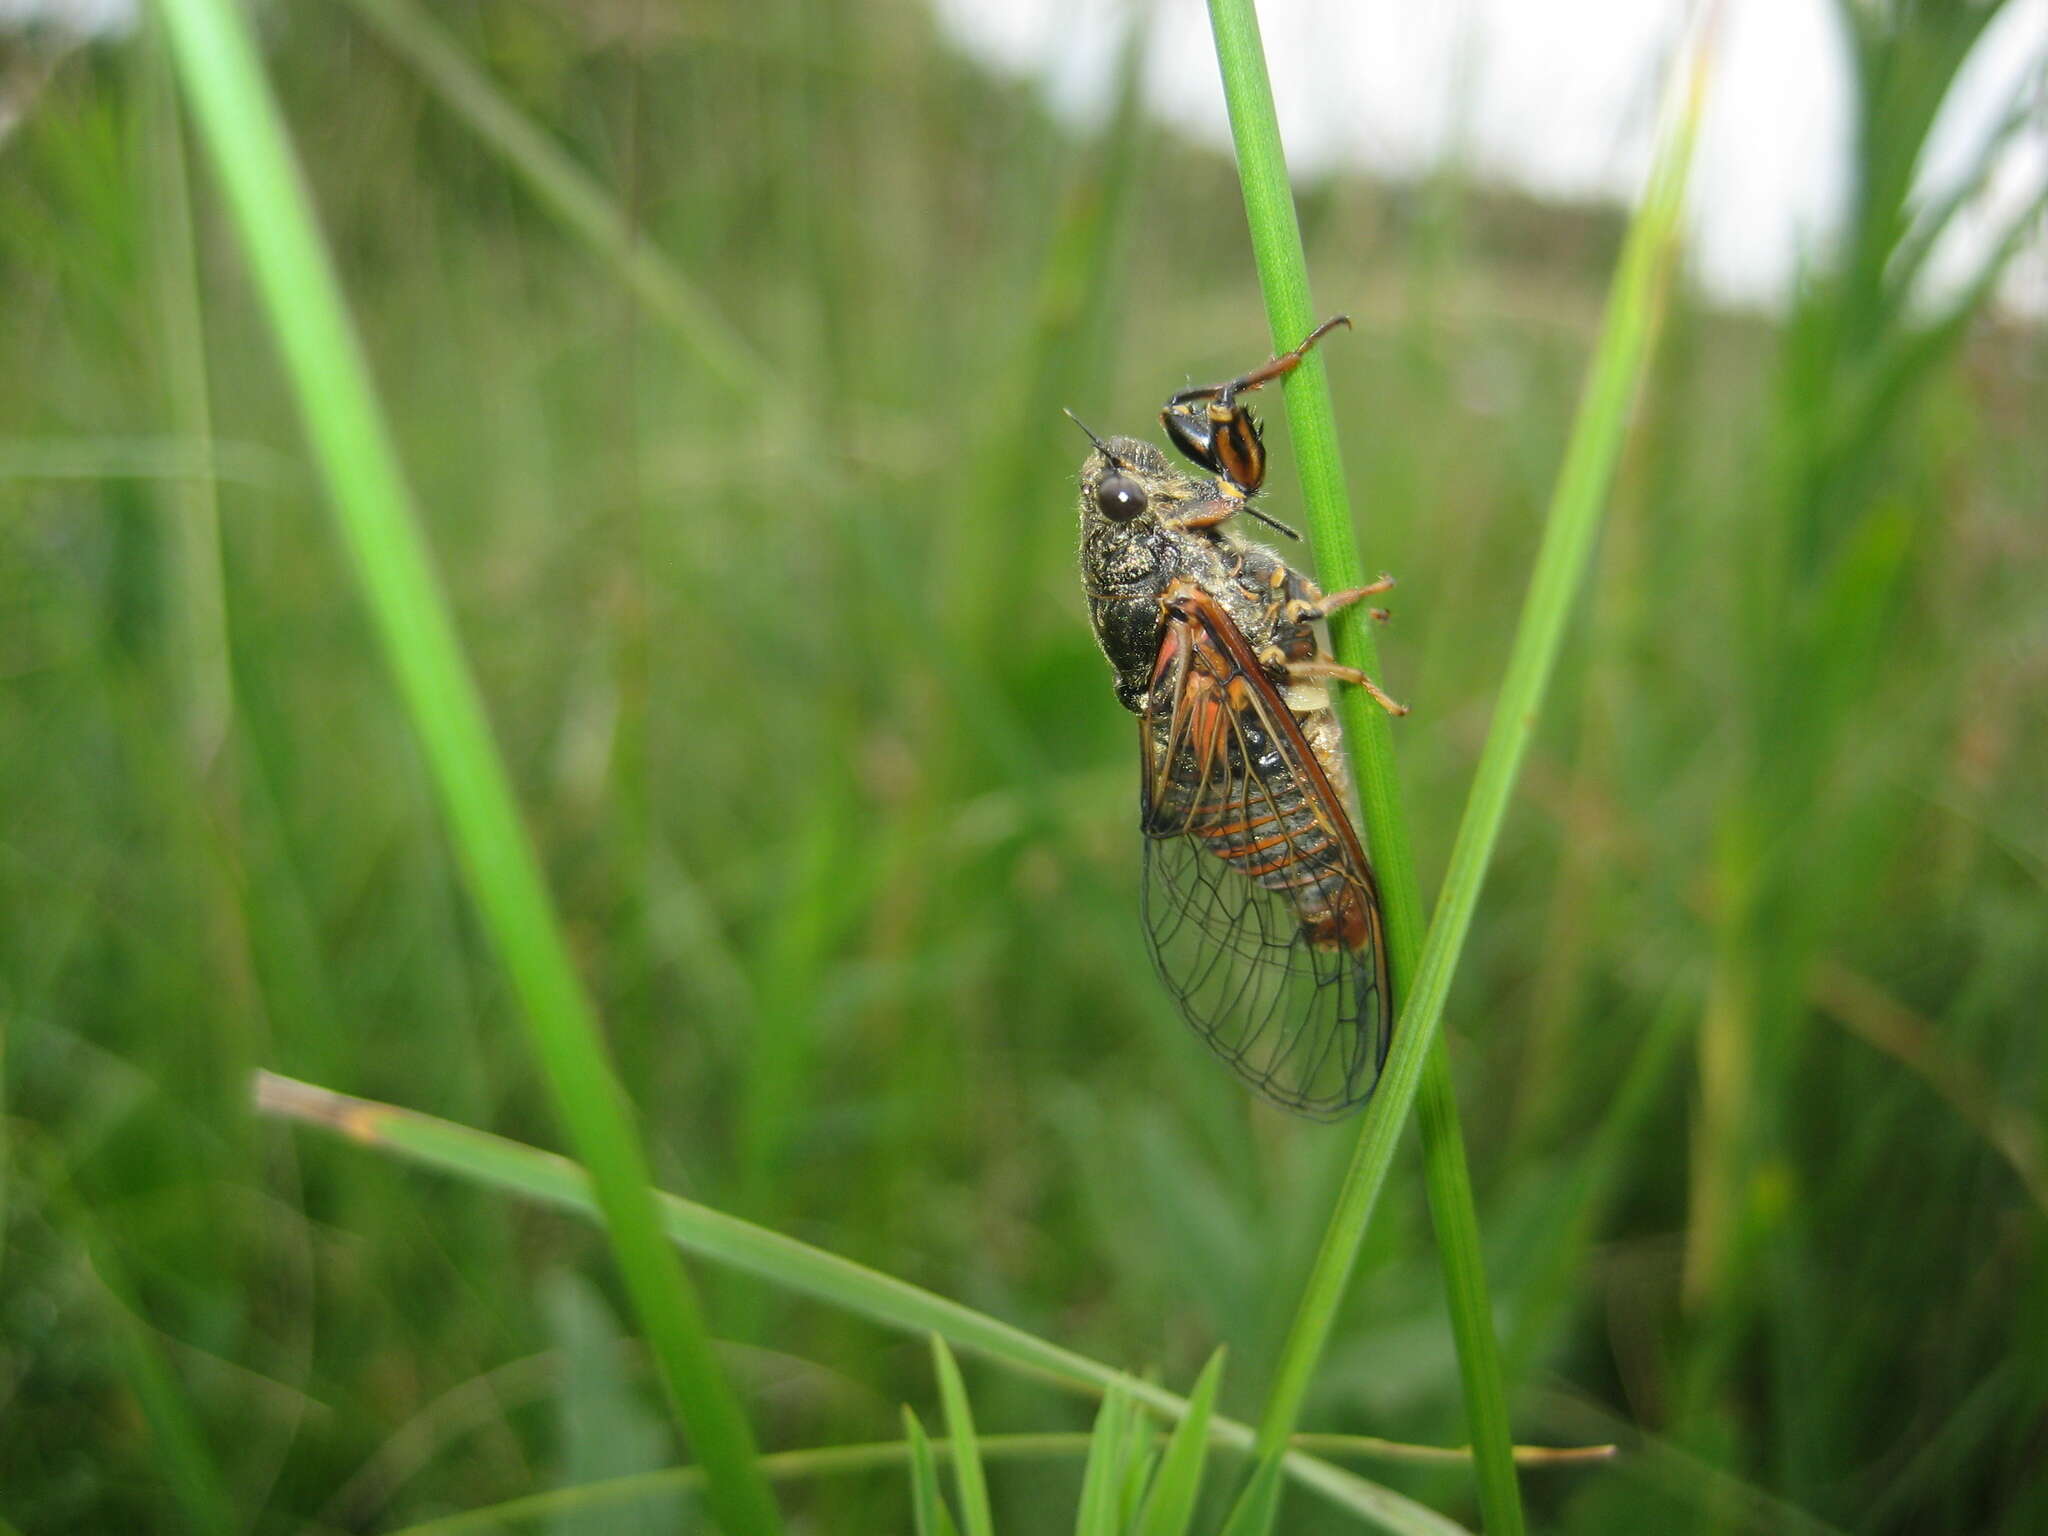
[
  {"x": 1225, "y": 394},
  {"x": 1213, "y": 430}
]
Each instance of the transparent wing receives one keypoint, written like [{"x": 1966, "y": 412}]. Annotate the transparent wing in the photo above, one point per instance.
[{"x": 1260, "y": 908}]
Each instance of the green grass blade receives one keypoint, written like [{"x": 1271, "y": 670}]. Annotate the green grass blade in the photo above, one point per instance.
[
  {"x": 1416, "y": 1062},
  {"x": 781, "y": 1466},
  {"x": 605, "y": 1427},
  {"x": 1635, "y": 307},
  {"x": 1312, "y": 429},
  {"x": 846, "y": 1460},
  {"x": 525, "y": 1171},
  {"x": 927, "y": 1504},
  {"x": 240, "y": 121},
  {"x": 1259, "y": 1505},
  {"x": 567, "y": 190},
  {"x": 967, "y": 1473},
  {"x": 147, "y": 458},
  {"x": 1170, "y": 1508},
  {"x": 206, "y": 680},
  {"x": 1102, "y": 1478},
  {"x": 1139, "y": 1466},
  {"x": 1546, "y": 1281},
  {"x": 178, "y": 1443},
  {"x": 1283, "y": 275}
]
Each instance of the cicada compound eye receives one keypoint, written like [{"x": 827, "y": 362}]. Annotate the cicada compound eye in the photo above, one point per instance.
[{"x": 1120, "y": 498}]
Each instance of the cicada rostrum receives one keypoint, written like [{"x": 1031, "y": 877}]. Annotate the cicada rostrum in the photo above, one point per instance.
[{"x": 1259, "y": 902}]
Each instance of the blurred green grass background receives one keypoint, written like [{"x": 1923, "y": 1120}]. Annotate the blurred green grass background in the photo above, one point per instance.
[{"x": 790, "y": 664}]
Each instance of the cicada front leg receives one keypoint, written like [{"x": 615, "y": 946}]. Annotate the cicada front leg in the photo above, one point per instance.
[
  {"x": 1217, "y": 509},
  {"x": 1213, "y": 430}
]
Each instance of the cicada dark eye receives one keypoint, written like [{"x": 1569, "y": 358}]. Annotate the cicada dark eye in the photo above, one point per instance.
[{"x": 1120, "y": 498}]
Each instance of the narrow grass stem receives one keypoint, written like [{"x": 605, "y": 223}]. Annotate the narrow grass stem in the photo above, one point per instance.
[
  {"x": 239, "y": 118},
  {"x": 845, "y": 1460},
  {"x": 1283, "y": 274},
  {"x": 1423, "y": 968}
]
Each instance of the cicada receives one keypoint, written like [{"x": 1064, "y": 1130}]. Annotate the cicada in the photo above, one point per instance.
[{"x": 1260, "y": 907}]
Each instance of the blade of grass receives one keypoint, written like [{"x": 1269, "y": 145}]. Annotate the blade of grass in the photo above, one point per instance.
[
  {"x": 842, "y": 1460},
  {"x": 542, "y": 1176},
  {"x": 146, "y": 458},
  {"x": 1416, "y": 1061},
  {"x": 1283, "y": 275},
  {"x": 569, "y": 192},
  {"x": 927, "y": 1504},
  {"x": 1546, "y": 1279},
  {"x": 239, "y": 118},
  {"x": 1395, "y": 1450},
  {"x": 1171, "y": 1506},
  {"x": 973, "y": 1487},
  {"x": 1259, "y": 1505},
  {"x": 199, "y": 586},
  {"x": 198, "y": 1491},
  {"x": 1139, "y": 1466},
  {"x": 1884, "y": 1024},
  {"x": 1102, "y": 1477}
]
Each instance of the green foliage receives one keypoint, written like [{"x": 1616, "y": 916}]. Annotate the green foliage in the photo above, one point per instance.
[
  {"x": 605, "y": 1429},
  {"x": 494, "y": 1163},
  {"x": 223, "y": 78},
  {"x": 1170, "y": 1503},
  {"x": 1423, "y": 969},
  {"x": 1125, "y": 1489},
  {"x": 1258, "y": 1507},
  {"x": 1842, "y": 517},
  {"x": 973, "y": 1485},
  {"x": 1110, "y": 1456},
  {"x": 927, "y": 1503},
  {"x": 788, "y": 673}
]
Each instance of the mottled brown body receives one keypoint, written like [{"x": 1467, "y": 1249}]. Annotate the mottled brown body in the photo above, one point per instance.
[{"x": 1260, "y": 906}]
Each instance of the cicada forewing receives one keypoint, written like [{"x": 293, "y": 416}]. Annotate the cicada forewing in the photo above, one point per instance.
[{"x": 1260, "y": 908}]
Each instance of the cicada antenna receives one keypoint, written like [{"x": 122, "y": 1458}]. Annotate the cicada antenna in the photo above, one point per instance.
[{"x": 1107, "y": 452}]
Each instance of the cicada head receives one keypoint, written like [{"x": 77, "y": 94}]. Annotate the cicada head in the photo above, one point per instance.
[
  {"x": 1125, "y": 481},
  {"x": 1131, "y": 500},
  {"x": 1131, "y": 547}
]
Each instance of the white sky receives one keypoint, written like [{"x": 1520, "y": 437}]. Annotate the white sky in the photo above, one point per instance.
[
  {"x": 85, "y": 17},
  {"x": 1560, "y": 99}
]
